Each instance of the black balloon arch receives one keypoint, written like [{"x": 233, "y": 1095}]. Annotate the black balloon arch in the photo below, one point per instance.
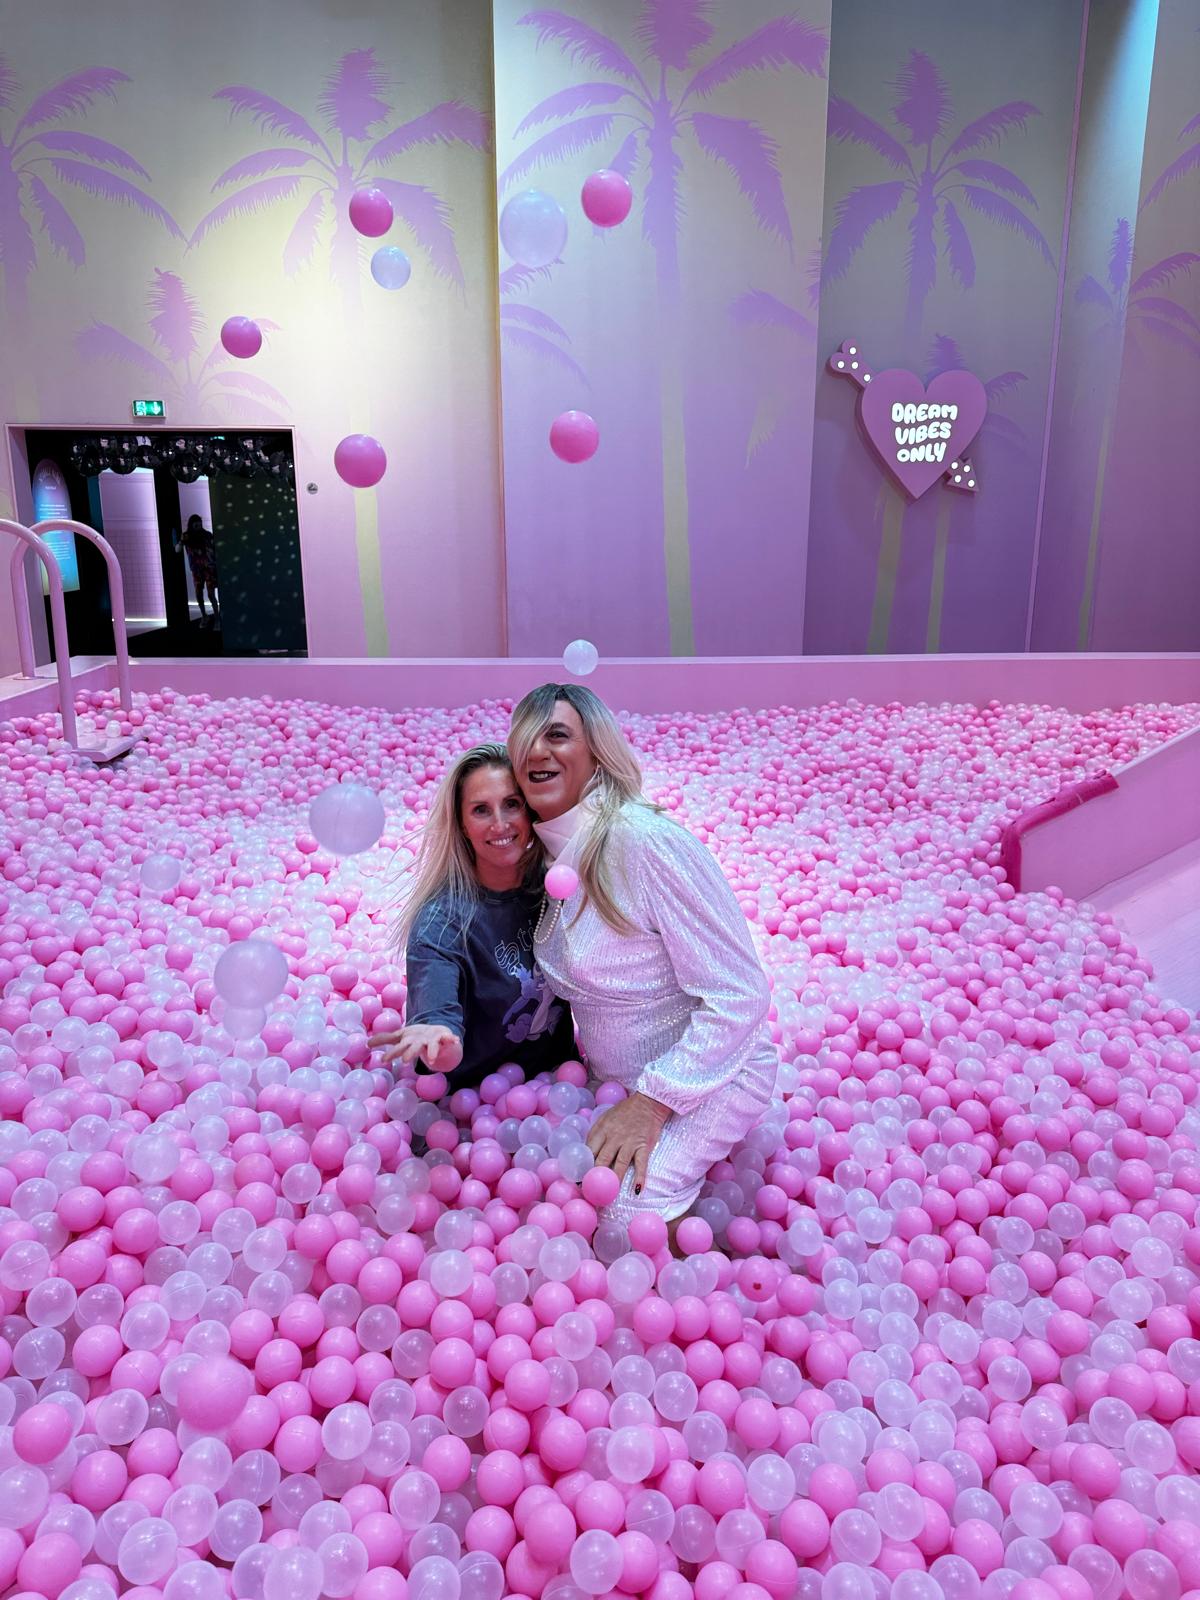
[{"x": 187, "y": 457}]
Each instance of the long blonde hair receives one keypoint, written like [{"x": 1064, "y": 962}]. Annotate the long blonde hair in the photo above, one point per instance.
[
  {"x": 617, "y": 780},
  {"x": 445, "y": 863}
]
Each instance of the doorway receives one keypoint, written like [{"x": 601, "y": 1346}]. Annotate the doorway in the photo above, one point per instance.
[{"x": 204, "y": 523}]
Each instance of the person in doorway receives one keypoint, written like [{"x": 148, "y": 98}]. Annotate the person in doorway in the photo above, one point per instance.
[
  {"x": 476, "y": 999},
  {"x": 201, "y": 550},
  {"x": 652, "y": 952}
]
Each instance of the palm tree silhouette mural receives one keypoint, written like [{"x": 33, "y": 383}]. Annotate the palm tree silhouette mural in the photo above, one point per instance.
[
  {"x": 194, "y": 386},
  {"x": 930, "y": 189},
  {"x": 1137, "y": 306},
  {"x": 659, "y": 99},
  {"x": 891, "y": 507},
  {"x": 323, "y": 170},
  {"x": 1177, "y": 168},
  {"x": 532, "y": 332},
  {"x": 326, "y": 168},
  {"x": 792, "y": 332},
  {"x": 37, "y": 156},
  {"x": 946, "y": 356}
]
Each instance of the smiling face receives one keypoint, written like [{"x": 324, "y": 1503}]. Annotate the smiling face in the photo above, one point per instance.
[
  {"x": 495, "y": 822},
  {"x": 558, "y": 766}
]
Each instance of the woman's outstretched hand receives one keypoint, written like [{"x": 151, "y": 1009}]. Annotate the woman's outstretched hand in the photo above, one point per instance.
[
  {"x": 438, "y": 1048},
  {"x": 625, "y": 1135}
]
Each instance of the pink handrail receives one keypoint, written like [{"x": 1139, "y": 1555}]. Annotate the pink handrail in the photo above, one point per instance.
[
  {"x": 116, "y": 594},
  {"x": 27, "y": 539}
]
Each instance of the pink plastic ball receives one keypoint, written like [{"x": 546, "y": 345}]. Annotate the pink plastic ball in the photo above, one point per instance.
[
  {"x": 42, "y": 1432},
  {"x": 606, "y": 198},
  {"x": 242, "y": 337},
  {"x": 574, "y": 437},
  {"x": 371, "y": 212},
  {"x": 561, "y": 882},
  {"x": 213, "y": 1392},
  {"x": 360, "y": 460}
]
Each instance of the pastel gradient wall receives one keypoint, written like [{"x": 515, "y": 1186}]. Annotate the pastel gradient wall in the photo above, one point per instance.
[
  {"x": 1147, "y": 584},
  {"x": 1009, "y": 188},
  {"x": 1095, "y": 289},
  {"x": 946, "y": 181},
  {"x": 163, "y": 169},
  {"x": 687, "y": 332}
]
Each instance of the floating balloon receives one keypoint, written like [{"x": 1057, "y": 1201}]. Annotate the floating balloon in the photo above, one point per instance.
[
  {"x": 371, "y": 212},
  {"x": 160, "y": 873},
  {"x": 250, "y": 973},
  {"x": 360, "y": 460},
  {"x": 390, "y": 267},
  {"x": 580, "y": 658},
  {"x": 606, "y": 198},
  {"x": 533, "y": 228},
  {"x": 574, "y": 437},
  {"x": 562, "y": 881},
  {"x": 242, "y": 337},
  {"x": 347, "y": 818}
]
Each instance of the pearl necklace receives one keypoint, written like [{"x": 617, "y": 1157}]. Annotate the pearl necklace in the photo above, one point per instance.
[{"x": 540, "y": 934}]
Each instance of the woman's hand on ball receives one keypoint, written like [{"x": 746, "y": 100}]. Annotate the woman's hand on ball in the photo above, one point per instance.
[
  {"x": 625, "y": 1135},
  {"x": 439, "y": 1048}
]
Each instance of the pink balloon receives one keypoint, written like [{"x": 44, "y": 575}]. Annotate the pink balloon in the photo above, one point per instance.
[
  {"x": 574, "y": 437},
  {"x": 371, "y": 212},
  {"x": 242, "y": 337},
  {"x": 607, "y": 198},
  {"x": 561, "y": 882},
  {"x": 360, "y": 460}
]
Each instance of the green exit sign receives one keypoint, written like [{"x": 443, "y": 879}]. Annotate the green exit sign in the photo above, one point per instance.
[{"x": 150, "y": 408}]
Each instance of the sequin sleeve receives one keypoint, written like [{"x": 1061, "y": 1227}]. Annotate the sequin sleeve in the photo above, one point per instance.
[{"x": 684, "y": 897}]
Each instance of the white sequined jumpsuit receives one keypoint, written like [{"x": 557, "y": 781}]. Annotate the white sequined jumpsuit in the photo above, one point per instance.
[{"x": 676, "y": 1009}]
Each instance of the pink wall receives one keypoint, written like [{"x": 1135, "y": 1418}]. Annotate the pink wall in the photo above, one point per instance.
[
  {"x": 731, "y": 507},
  {"x": 687, "y": 331},
  {"x": 1076, "y": 682},
  {"x": 1154, "y": 809},
  {"x": 225, "y": 192}
]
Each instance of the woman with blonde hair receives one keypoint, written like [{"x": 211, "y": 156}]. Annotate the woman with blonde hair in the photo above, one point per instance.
[
  {"x": 476, "y": 1000},
  {"x": 653, "y": 953}
]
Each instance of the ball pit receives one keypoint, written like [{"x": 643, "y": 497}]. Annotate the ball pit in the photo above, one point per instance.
[{"x": 277, "y": 1325}]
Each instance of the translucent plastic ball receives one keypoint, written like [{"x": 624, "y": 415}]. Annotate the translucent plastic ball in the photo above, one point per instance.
[
  {"x": 630, "y": 1454},
  {"x": 347, "y": 818},
  {"x": 147, "y": 1551},
  {"x": 250, "y": 973},
  {"x": 596, "y": 1561},
  {"x": 390, "y": 267},
  {"x": 434, "y": 1578},
  {"x": 414, "y": 1499},
  {"x": 533, "y": 228},
  {"x": 160, "y": 873},
  {"x": 581, "y": 658}
]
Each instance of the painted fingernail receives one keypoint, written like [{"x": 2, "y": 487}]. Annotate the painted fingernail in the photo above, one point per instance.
[{"x": 637, "y": 1188}]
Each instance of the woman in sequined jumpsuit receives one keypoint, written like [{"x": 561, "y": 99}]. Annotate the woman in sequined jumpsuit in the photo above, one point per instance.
[{"x": 653, "y": 953}]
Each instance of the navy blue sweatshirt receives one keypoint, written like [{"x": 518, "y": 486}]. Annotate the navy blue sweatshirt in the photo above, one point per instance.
[{"x": 484, "y": 985}]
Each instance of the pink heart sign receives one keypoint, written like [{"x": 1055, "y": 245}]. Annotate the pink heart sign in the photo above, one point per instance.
[{"x": 917, "y": 432}]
